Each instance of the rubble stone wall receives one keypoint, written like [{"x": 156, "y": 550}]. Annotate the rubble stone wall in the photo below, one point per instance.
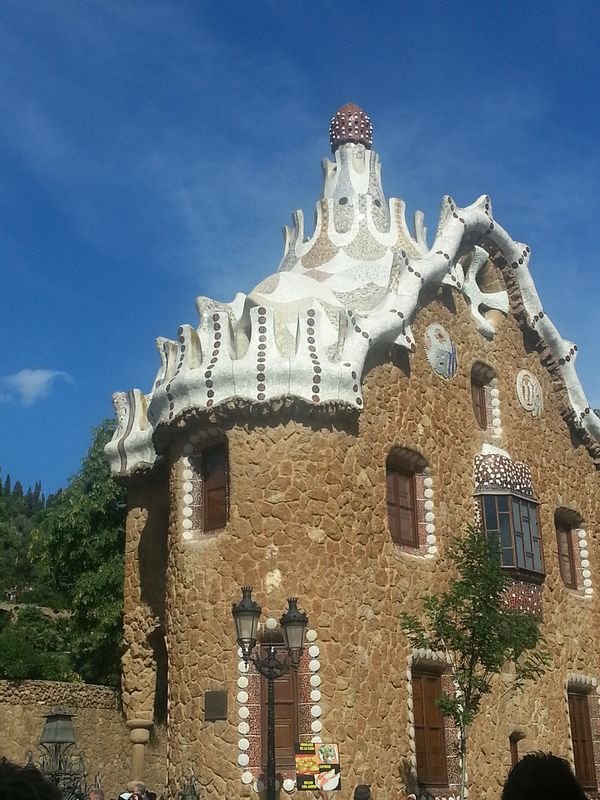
[
  {"x": 101, "y": 734},
  {"x": 308, "y": 517}
]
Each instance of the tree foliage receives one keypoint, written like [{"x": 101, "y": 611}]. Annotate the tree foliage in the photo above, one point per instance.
[
  {"x": 79, "y": 544},
  {"x": 472, "y": 625},
  {"x": 18, "y": 513},
  {"x": 35, "y": 645}
]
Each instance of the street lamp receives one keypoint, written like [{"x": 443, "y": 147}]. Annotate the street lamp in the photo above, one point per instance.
[
  {"x": 293, "y": 623},
  {"x": 64, "y": 767}
]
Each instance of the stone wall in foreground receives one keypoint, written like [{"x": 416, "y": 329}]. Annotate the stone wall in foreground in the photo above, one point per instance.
[{"x": 100, "y": 730}]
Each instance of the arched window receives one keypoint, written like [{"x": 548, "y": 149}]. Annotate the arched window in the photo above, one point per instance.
[
  {"x": 215, "y": 487},
  {"x": 483, "y": 379},
  {"x": 405, "y": 491},
  {"x": 568, "y": 526},
  {"x": 206, "y": 490}
]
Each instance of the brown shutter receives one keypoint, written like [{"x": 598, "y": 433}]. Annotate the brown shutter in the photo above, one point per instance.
[
  {"x": 479, "y": 409},
  {"x": 401, "y": 503},
  {"x": 429, "y": 729},
  {"x": 581, "y": 733},
  {"x": 564, "y": 539},
  {"x": 286, "y": 715},
  {"x": 215, "y": 487}
]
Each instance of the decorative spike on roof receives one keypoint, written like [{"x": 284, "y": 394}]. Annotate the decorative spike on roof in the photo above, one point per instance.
[
  {"x": 350, "y": 124},
  {"x": 303, "y": 334}
]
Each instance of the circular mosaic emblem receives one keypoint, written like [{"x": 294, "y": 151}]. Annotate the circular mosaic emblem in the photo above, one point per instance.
[
  {"x": 529, "y": 393},
  {"x": 441, "y": 351}
]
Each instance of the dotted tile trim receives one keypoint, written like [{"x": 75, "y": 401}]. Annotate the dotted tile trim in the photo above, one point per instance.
[{"x": 588, "y": 589}]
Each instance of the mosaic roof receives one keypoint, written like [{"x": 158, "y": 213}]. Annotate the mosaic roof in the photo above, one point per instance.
[{"x": 304, "y": 332}]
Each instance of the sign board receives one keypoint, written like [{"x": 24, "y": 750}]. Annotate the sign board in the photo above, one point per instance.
[
  {"x": 215, "y": 705},
  {"x": 318, "y": 766}
]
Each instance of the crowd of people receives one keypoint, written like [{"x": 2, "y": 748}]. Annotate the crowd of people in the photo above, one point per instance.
[
  {"x": 537, "y": 776},
  {"x": 28, "y": 783}
]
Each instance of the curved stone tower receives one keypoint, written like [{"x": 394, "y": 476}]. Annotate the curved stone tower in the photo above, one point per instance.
[{"x": 264, "y": 454}]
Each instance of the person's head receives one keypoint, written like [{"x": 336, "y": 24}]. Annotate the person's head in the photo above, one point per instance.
[
  {"x": 362, "y": 792},
  {"x": 542, "y": 775},
  {"x": 25, "y": 783},
  {"x": 96, "y": 793}
]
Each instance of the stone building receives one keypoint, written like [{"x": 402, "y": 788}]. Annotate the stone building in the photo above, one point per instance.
[{"x": 323, "y": 437}]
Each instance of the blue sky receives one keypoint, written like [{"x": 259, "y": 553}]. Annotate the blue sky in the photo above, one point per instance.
[{"x": 151, "y": 152}]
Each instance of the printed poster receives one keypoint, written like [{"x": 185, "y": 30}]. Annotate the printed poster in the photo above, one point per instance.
[{"x": 318, "y": 766}]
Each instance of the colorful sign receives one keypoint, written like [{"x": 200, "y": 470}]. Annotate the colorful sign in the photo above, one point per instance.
[{"x": 318, "y": 766}]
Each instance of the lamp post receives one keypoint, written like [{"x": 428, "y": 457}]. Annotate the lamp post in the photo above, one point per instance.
[
  {"x": 293, "y": 623},
  {"x": 58, "y": 761}
]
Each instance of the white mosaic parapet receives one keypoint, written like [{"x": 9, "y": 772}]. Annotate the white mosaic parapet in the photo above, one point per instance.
[{"x": 305, "y": 331}]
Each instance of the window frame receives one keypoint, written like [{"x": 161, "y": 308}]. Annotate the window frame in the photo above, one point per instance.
[
  {"x": 566, "y": 552},
  {"x": 431, "y": 729},
  {"x": 395, "y": 472},
  {"x": 208, "y": 524},
  {"x": 518, "y": 553},
  {"x": 581, "y": 737}
]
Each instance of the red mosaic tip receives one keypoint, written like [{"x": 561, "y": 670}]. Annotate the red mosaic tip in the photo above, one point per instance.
[{"x": 350, "y": 124}]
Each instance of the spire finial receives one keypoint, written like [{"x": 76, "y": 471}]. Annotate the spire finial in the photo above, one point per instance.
[{"x": 350, "y": 124}]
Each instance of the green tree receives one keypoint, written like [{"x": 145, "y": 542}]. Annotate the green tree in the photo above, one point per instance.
[
  {"x": 18, "y": 512},
  {"x": 36, "y": 646},
  {"x": 472, "y": 625},
  {"x": 79, "y": 542}
]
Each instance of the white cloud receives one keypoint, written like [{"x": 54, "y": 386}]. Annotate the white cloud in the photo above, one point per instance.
[{"x": 29, "y": 385}]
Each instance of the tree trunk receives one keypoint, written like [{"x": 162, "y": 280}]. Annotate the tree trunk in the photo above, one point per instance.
[{"x": 463, "y": 761}]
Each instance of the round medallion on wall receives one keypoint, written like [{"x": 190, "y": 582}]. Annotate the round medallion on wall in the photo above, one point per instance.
[
  {"x": 529, "y": 393},
  {"x": 441, "y": 351}
]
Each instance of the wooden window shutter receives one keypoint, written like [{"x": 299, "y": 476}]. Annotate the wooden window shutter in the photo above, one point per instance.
[
  {"x": 401, "y": 504},
  {"x": 215, "y": 487},
  {"x": 286, "y": 715},
  {"x": 430, "y": 738},
  {"x": 564, "y": 540},
  {"x": 581, "y": 734},
  {"x": 479, "y": 405}
]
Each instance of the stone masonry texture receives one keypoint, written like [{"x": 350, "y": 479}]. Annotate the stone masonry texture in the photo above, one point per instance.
[{"x": 308, "y": 518}]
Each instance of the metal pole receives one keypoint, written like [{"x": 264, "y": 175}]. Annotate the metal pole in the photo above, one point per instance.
[{"x": 271, "y": 737}]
